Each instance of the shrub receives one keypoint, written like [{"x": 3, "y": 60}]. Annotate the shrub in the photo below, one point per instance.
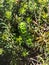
[{"x": 24, "y": 30}]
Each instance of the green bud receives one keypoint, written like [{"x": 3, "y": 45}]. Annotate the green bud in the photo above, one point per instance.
[
  {"x": 29, "y": 42},
  {"x": 8, "y": 14},
  {"x": 22, "y": 27}
]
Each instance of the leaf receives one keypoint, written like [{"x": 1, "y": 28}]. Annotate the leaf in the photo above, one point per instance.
[{"x": 1, "y": 51}]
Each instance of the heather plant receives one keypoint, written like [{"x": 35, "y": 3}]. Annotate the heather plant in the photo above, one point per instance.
[{"x": 24, "y": 31}]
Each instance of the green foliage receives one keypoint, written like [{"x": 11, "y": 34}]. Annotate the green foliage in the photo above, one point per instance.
[
  {"x": 1, "y": 51},
  {"x": 24, "y": 30},
  {"x": 22, "y": 27},
  {"x": 8, "y": 14}
]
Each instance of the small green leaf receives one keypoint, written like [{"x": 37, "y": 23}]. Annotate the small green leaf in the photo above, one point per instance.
[{"x": 1, "y": 51}]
